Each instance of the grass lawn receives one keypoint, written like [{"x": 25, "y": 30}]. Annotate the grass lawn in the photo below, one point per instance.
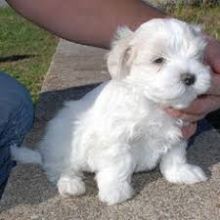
[
  {"x": 25, "y": 50},
  {"x": 207, "y": 16}
]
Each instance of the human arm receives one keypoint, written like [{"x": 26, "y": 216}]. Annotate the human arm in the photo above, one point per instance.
[{"x": 91, "y": 22}]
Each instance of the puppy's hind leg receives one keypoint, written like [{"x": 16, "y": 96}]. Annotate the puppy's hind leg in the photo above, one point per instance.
[{"x": 71, "y": 184}]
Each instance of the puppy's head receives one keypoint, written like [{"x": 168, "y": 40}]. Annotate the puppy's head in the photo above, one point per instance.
[{"x": 163, "y": 59}]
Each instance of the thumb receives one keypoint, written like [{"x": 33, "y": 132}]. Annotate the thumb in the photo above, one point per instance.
[{"x": 212, "y": 54}]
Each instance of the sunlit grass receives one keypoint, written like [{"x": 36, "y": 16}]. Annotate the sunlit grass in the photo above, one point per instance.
[
  {"x": 20, "y": 38},
  {"x": 206, "y": 16}
]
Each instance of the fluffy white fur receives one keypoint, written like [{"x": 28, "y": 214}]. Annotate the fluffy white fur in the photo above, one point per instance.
[{"x": 121, "y": 127}]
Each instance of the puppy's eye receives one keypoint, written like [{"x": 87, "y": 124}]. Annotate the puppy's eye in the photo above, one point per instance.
[{"x": 159, "y": 60}]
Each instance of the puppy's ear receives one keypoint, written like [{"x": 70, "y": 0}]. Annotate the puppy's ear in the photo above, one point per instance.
[{"x": 119, "y": 59}]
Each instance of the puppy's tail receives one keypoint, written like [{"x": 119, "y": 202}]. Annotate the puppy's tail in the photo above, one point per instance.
[{"x": 25, "y": 155}]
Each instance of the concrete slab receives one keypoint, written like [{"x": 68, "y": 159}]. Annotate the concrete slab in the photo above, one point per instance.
[
  {"x": 29, "y": 195},
  {"x": 3, "y": 3}
]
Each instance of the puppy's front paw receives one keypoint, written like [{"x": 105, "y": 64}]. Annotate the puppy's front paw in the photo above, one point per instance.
[
  {"x": 185, "y": 173},
  {"x": 68, "y": 186},
  {"x": 116, "y": 194}
]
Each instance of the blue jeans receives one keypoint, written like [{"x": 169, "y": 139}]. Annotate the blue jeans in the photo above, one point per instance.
[{"x": 16, "y": 118}]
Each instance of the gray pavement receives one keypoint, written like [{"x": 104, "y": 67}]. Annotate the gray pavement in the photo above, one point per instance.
[
  {"x": 74, "y": 71},
  {"x": 3, "y": 3}
]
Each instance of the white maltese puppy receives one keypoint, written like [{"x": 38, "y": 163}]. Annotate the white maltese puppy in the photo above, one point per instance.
[{"x": 121, "y": 127}]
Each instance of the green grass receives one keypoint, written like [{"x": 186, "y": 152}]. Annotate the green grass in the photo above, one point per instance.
[
  {"x": 207, "y": 16},
  {"x": 19, "y": 37}
]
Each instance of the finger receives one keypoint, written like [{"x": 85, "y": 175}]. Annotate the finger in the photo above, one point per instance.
[
  {"x": 203, "y": 105},
  {"x": 212, "y": 55},
  {"x": 191, "y": 118},
  {"x": 185, "y": 116},
  {"x": 173, "y": 112},
  {"x": 199, "y": 108},
  {"x": 189, "y": 131}
]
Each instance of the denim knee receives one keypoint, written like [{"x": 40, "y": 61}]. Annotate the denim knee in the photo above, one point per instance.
[{"x": 16, "y": 118}]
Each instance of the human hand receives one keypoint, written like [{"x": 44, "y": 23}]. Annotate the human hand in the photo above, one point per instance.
[{"x": 207, "y": 103}]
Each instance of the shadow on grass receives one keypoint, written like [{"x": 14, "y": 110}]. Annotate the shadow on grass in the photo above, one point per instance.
[
  {"x": 14, "y": 58},
  {"x": 203, "y": 151}
]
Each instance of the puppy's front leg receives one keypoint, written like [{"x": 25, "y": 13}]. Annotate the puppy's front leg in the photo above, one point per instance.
[
  {"x": 113, "y": 188},
  {"x": 114, "y": 179},
  {"x": 176, "y": 169}
]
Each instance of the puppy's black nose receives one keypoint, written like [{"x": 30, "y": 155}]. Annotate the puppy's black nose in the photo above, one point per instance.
[{"x": 188, "y": 79}]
